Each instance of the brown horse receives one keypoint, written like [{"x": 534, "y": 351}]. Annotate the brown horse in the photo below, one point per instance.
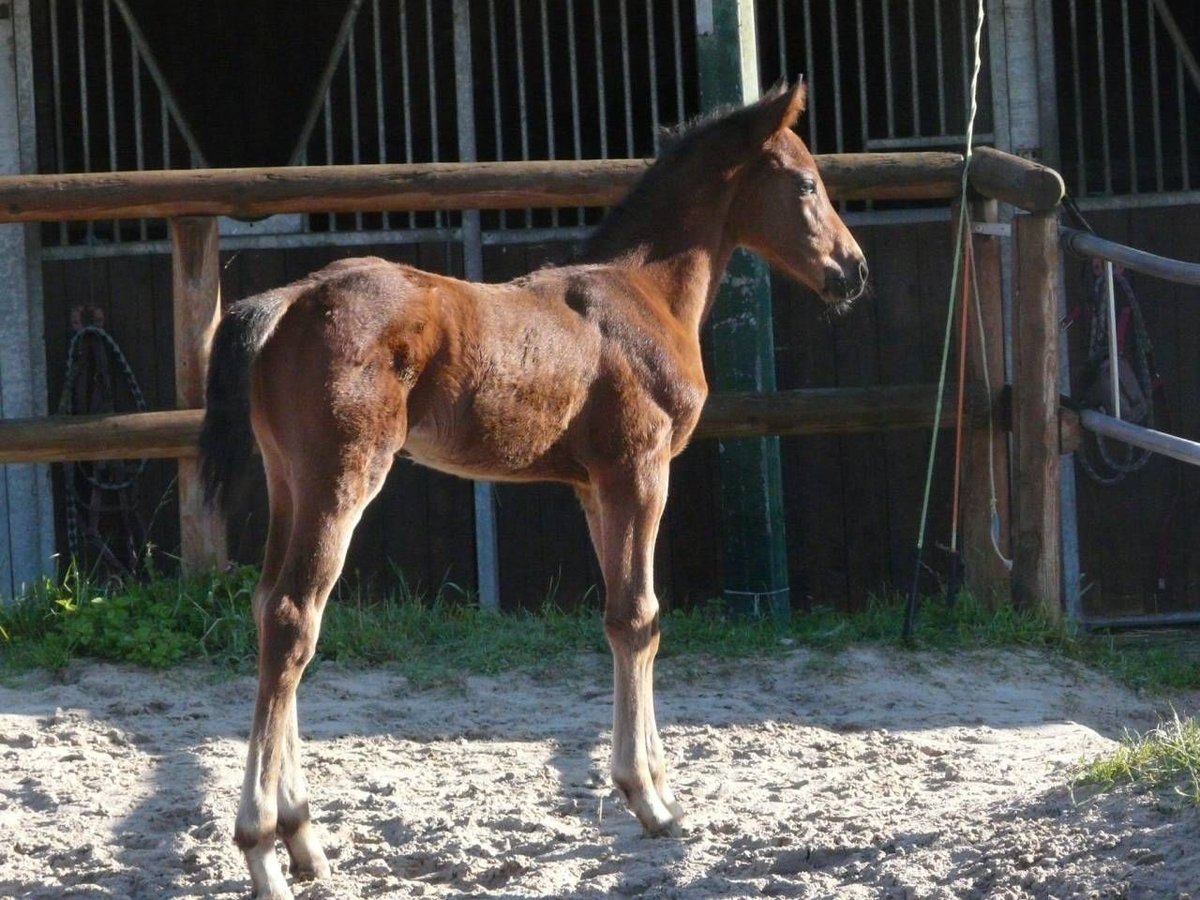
[{"x": 588, "y": 374}]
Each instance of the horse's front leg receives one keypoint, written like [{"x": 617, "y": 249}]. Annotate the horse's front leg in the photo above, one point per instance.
[{"x": 625, "y": 513}]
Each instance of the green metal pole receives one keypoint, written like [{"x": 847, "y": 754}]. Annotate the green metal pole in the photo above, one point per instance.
[{"x": 755, "y": 545}]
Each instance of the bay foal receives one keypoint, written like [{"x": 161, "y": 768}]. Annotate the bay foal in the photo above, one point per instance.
[{"x": 588, "y": 374}]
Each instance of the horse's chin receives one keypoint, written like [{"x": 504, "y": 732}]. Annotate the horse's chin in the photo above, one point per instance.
[{"x": 838, "y": 307}]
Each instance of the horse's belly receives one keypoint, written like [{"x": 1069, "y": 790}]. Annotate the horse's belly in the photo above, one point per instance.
[{"x": 518, "y": 433}]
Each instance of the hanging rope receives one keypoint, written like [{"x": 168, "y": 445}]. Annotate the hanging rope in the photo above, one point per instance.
[
  {"x": 88, "y": 355},
  {"x": 963, "y": 217}
]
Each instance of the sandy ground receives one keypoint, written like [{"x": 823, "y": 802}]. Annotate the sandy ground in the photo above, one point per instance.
[{"x": 851, "y": 776}]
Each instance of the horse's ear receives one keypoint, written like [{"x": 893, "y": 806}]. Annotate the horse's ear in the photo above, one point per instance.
[{"x": 780, "y": 109}]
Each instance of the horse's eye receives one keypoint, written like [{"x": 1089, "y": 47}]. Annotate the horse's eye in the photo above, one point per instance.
[{"x": 808, "y": 186}]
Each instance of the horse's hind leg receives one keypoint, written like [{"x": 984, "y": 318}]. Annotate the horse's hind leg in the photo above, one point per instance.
[{"x": 327, "y": 501}]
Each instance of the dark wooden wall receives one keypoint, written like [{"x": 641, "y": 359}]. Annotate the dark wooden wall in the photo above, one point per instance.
[{"x": 852, "y": 503}]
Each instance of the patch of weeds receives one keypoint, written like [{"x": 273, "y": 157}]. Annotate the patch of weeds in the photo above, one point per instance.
[{"x": 1165, "y": 758}]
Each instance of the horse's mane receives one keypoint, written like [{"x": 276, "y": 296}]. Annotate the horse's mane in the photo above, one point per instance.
[{"x": 676, "y": 144}]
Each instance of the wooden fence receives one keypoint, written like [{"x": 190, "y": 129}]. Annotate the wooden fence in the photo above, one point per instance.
[{"x": 191, "y": 201}]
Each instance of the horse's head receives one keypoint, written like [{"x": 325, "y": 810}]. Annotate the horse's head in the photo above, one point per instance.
[{"x": 783, "y": 212}]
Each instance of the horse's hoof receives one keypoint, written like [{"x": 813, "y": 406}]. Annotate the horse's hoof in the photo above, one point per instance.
[
  {"x": 672, "y": 828},
  {"x": 316, "y": 872}
]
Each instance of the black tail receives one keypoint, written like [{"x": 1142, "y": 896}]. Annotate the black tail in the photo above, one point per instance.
[{"x": 226, "y": 438}]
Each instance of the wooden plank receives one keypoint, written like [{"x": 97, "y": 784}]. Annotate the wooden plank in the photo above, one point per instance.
[
  {"x": 986, "y": 458},
  {"x": 1036, "y": 564},
  {"x": 168, "y": 434},
  {"x": 253, "y": 192},
  {"x": 1015, "y": 180},
  {"x": 196, "y": 293}
]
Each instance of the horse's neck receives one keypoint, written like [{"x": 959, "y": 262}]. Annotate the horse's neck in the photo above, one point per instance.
[{"x": 689, "y": 280}]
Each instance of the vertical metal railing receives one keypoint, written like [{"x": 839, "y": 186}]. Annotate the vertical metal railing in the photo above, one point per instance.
[
  {"x": 109, "y": 138},
  {"x": 1120, "y": 145},
  {"x": 892, "y": 89}
]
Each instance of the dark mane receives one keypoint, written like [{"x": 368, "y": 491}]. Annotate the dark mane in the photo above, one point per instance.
[{"x": 676, "y": 145}]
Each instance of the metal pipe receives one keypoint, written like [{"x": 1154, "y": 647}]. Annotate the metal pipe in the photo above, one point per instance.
[
  {"x": 1129, "y": 123},
  {"x": 625, "y": 78},
  {"x": 1105, "y": 143},
  {"x": 322, "y": 91},
  {"x": 1155, "y": 105},
  {"x": 1153, "y": 620},
  {"x": 811, "y": 113},
  {"x": 1137, "y": 436},
  {"x": 1114, "y": 381},
  {"x": 1180, "y": 40},
  {"x": 1081, "y": 162},
  {"x": 486, "y": 547},
  {"x": 1139, "y": 260}
]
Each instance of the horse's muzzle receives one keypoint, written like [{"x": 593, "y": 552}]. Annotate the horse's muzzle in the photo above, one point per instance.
[{"x": 846, "y": 284}]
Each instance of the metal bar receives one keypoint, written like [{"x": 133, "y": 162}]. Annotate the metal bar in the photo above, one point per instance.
[
  {"x": 863, "y": 115},
  {"x": 1142, "y": 201},
  {"x": 56, "y": 70},
  {"x": 85, "y": 127},
  {"x": 431, "y": 69},
  {"x": 653, "y": 56},
  {"x": 1153, "y": 620},
  {"x": 380, "y": 114},
  {"x": 1155, "y": 105},
  {"x": 941, "y": 63},
  {"x": 497, "y": 118},
  {"x": 139, "y": 137},
  {"x": 487, "y": 554},
  {"x": 679, "y": 77},
  {"x": 1146, "y": 438},
  {"x": 1114, "y": 383},
  {"x": 110, "y": 102},
  {"x": 941, "y": 140},
  {"x": 328, "y": 111},
  {"x": 573, "y": 60},
  {"x": 352, "y": 86},
  {"x": 835, "y": 42},
  {"x": 1179, "y": 39},
  {"x": 160, "y": 81},
  {"x": 322, "y": 89},
  {"x": 625, "y": 78},
  {"x": 164, "y": 119},
  {"x": 1139, "y": 260},
  {"x": 781, "y": 31},
  {"x": 548, "y": 86},
  {"x": 912, "y": 61},
  {"x": 1081, "y": 162},
  {"x": 1129, "y": 123},
  {"x": 888, "y": 81},
  {"x": 521, "y": 97},
  {"x": 1104, "y": 143},
  {"x": 406, "y": 98},
  {"x": 811, "y": 100},
  {"x": 601, "y": 102},
  {"x": 1183, "y": 123}
]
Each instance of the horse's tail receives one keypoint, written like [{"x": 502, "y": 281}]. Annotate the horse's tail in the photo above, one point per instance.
[{"x": 226, "y": 437}]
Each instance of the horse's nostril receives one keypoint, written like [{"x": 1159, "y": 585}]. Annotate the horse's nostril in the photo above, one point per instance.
[{"x": 863, "y": 272}]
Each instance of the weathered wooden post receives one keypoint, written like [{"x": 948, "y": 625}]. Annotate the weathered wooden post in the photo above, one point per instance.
[
  {"x": 196, "y": 282},
  {"x": 986, "y": 459},
  {"x": 755, "y": 570},
  {"x": 1036, "y": 576}
]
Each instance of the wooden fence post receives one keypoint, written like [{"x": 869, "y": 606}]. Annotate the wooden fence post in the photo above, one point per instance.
[
  {"x": 986, "y": 575},
  {"x": 1036, "y": 577},
  {"x": 196, "y": 283}
]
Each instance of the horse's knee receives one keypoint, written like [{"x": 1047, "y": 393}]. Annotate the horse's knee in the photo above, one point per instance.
[
  {"x": 288, "y": 636},
  {"x": 633, "y": 625}
]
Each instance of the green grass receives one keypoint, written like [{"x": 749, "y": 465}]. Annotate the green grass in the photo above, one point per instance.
[
  {"x": 439, "y": 636},
  {"x": 1166, "y": 758}
]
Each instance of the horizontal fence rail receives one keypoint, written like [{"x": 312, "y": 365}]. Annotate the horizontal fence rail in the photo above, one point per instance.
[
  {"x": 1139, "y": 260},
  {"x": 1139, "y": 436},
  {"x": 254, "y": 193},
  {"x": 173, "y": 434}
]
